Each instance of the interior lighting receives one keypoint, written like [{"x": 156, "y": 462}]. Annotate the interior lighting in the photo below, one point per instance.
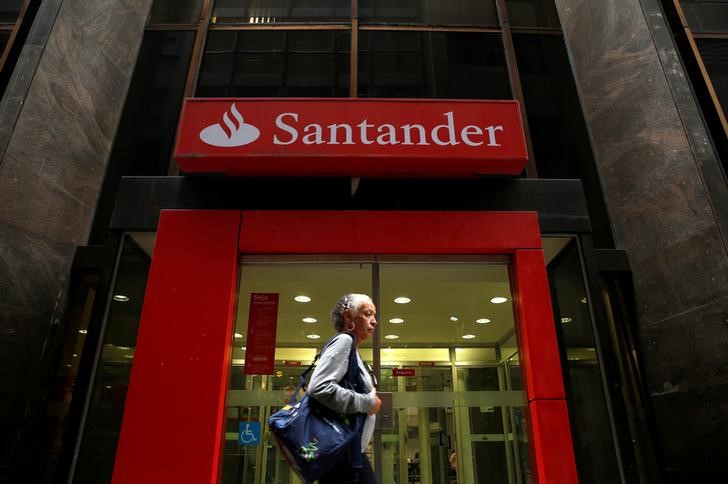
[
  {"x": 482, "y": 321},
  {"x": 120, "y": 298},
  {"x": 468, "y": 336},
  {"x": 309, "y": 320},
  {"x": 396, "y": 320},
  {"x": 402, "y": 300},
  {"x": 566, "y": 319},
  {"x": 583, "y": 300},
  {"x": 243, "y": 348},
  {"x": 238, "y": 335},
  {"x": 392, "y": 336},
  {"x": 302, "y": 299},
  {"x": 453, "y": 318},
  {"x": 312, "y": 336},
  {"x": 498, "y": 300},
  {"x": 83, "y": 331}
]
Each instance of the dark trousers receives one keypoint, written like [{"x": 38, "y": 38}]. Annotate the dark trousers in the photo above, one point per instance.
[{"x": 342, "y": 472}]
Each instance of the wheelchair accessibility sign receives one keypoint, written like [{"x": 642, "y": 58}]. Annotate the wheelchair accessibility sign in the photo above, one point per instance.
[{"x": 248, "y": 433}]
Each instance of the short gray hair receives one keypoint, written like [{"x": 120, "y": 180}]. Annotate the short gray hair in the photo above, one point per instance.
[{"x": 347, "y": 302}]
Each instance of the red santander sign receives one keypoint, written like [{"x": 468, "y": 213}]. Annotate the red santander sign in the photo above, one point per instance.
[{"x": 350, "y": 137}]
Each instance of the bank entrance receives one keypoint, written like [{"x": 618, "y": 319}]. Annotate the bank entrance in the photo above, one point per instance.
[
  {"x": 465, "y": 350},
  {"x": 445, "y": 354}
]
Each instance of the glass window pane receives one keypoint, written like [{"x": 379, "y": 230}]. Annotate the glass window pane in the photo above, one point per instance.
[
  {"x": 9, "y": 10},
  {"x": 143, "y": 144},
  {"x": 445, "y": 355},
  {"x": 275, "y": 63},
  {"x": 715, "y": 56},
  {"x": 175, "y": 12},
  {"x": 4, "y": 37},
  {"x": 594, "y": 448},
  {"x": 706, "y": 15},
  {"x": 411, "y": 64},
  {"x": 558, "y": 131},
  {"x": 533, "y": 13},
  {"x": 280, "y": 11},
  {"x": 255, "y": 397},
  {"x": 103, "y": 423},
  {"x": 439, "y": 12}
]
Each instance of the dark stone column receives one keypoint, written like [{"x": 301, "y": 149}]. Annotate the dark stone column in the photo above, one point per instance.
[
  {"x": 58, "y": 122},
  {"x": 668, "y": 201}
]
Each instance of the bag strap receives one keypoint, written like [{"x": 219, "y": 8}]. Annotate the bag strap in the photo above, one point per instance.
[{"x": 350, "y": 372}]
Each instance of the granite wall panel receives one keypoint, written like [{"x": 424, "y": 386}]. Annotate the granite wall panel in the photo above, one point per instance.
[
  {"x": 651, "y": 152},
  {"x": 50, "y": 176}
]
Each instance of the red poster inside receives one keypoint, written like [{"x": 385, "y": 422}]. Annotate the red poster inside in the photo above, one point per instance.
[
  {"x": 261, "y": 342},
  {"x": 403, "y": 372}
]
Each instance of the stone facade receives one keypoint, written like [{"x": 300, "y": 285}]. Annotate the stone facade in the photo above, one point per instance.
[
  {"x": 59, "y": 118},
  {"x": 667, "y": 197}
]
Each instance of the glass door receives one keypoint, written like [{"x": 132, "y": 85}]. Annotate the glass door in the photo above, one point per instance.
[{"x": 445, "y": 349}]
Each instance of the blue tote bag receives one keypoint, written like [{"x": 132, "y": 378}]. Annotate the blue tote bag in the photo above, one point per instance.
[{"x": 312, "y": 436}]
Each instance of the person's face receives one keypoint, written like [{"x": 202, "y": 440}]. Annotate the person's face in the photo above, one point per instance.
[{"x": 364, "y": 320}]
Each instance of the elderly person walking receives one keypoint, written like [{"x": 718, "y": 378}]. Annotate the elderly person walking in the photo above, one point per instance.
[{"x": 354, "y": 314}]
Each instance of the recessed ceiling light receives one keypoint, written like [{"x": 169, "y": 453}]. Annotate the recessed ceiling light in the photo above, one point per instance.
[
  {"x": 83, "y": 331},
  {"x": 312, "y": 336},
  {"x": 75, "y": 355},
  {"x": 243, "y": 347},
  {"x": 482, "y": 321},
  {"x": 591, "y": 349},
  {"x": 309, "y": 320},
  {"x": 238, "y": 335},
  {"x": 392, "y": 336},
  {"x": 402, "y": 300},
  {"x": 468, "y": 336},
  {"x": 453, "y": 318},
  {"x": 566, "y": 320},
  {"x": 125, "y": 348},
  {"x": 120, "y": 298},
  {"x": 302, "y": 298},
  {"x": 583, "y": 300},
  {"x": 498, "y": 300},
  {"x": 396, "y": 320}
]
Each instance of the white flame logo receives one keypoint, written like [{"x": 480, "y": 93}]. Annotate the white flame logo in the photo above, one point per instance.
[{"x": 234, "y": 133}]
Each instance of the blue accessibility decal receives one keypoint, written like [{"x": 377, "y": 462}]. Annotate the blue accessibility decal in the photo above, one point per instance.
[{"x": 248, "y": 433}]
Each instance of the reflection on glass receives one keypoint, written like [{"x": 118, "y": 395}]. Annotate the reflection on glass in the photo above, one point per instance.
[
  {"x": 4, "y": 37},
  {"x": 410, "y": 64},
  {"x": 175, "y": 12},
  {"x": 279, "y": 11},
  {"x": 714, "y": 53},
  {"x": 706, "y": 15},
  {"x": 275, "y": 63},
  {"x": 143, "y": 145},
  {"x": 533, "y": 13},
  {"x": 9, "y": 10},
  {"x": 101, "y": 432},
  {"x": 594, "y": 449},
  {"x": 438, "y": 12}
]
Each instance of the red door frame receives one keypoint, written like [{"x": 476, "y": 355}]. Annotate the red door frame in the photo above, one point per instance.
[{"x": 174, "y": 417}]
